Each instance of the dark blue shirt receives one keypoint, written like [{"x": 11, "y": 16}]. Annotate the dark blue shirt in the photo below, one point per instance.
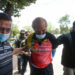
[{"x": 5, "y": 59}]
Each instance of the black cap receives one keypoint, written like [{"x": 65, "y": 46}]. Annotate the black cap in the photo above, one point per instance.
[
  {"x": 74, "y": 23},
  {"x": 22, "y": 31}
]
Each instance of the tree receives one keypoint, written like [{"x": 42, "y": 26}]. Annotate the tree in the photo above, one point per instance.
[
  {"x": 50, "y": 28},
  {"x": 15, "y": 30},
  {"x": 57, "y": 31},
  {"x": 13, "y": 7},
  {"x": 28, "y": 28},
  {"x": 64, "y": 21}
]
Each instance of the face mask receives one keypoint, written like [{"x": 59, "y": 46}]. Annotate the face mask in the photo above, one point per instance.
[
  {"x": 40, "y": 36},
  {"x": 4, "y": 37}
]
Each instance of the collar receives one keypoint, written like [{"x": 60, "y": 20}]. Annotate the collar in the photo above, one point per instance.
[
  {"x": 39, "y": 40},
  {"x": 5, "y": 42},
  {"x": 34, "y": 37}
]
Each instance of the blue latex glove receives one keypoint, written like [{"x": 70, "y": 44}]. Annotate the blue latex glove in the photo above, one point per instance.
[{"x": 53, "y": 52}]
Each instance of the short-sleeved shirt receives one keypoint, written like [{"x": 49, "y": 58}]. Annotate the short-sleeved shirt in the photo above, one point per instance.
[
  {"x": 5, "y": 59},
  {"x": 42, "y": 57}
]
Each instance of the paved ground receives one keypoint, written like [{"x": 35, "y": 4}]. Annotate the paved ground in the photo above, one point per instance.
[{"x": 58, "y": 69}]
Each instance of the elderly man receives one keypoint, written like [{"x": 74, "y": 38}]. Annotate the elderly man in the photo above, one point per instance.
[
  {"x": 5, "y": 49},
  {"x": 41, "y": 44}
]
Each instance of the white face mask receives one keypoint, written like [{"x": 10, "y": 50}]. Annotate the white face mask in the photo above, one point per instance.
[{"x": 40, "y": 36}]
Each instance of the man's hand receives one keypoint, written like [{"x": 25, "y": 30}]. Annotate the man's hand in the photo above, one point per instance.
[
  {"x": 27, "y": 49},
  {"x": 26, "y": 53},
  {"x": 17, "y": 50},
  {"x": 33, "y": 50}
]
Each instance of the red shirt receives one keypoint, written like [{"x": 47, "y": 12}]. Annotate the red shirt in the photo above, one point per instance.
[{"x": 42, "y": 57}]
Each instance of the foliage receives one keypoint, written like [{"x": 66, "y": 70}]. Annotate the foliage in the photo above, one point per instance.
[
  {"x": 12, "y": 7},
  {"x": 57, "y": 31},
  {"x": 15, "y": 30},
  {"x": 12, "y": 39},
  {"x": 28, "y": 28},
  {"x": 50, "y": 28},
  {"x": 64, "y": 21}
]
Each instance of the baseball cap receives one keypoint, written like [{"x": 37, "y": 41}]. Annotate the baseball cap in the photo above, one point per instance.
[{"x": 22, "y": 31}]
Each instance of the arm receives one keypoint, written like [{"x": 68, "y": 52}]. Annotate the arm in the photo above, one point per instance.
[
  {"x": 26, "y": 53},
  {"x": 61, "y": 39},
  {"x": 53, "y": 40},
  {"x": 53, "y": 52},
  {"x": 17, "y": 50},
  {"x": 25, "y": 50}
]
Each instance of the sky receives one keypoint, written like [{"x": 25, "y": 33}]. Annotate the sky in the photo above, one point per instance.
[{"x": 51, "y": 10}]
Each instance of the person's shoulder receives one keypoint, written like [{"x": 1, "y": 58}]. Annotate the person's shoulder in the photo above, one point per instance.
[
  {"x": 29, "y": 38},
  {"x": 7, "y": 44},
  {"x": 31, "y": 35},
  {"x": 49, "y": 34},
  {"x": 66, "y": 35}
]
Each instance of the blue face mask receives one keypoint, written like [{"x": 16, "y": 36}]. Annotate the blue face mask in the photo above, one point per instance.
[
  {"x": 4, "y": 37},
  {"x": 40, "y": 36}
]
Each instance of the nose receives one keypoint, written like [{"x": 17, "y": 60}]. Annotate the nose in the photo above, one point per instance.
[
  {"x": 4, "y": 32},
  {"x": 41, "y": 32}
]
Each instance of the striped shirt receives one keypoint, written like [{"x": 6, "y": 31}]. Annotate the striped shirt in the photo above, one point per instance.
[{"x": 5, "y": 59}]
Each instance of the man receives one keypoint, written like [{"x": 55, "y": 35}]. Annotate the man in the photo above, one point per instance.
[
  {"x": 22, "y": 59},
  {"x": 25, "y": 58},
  {"x": 41, "y": 44},
  {"x": 5, "y": 49},
  {"x": 20, "y": 43},
  {"x": 68, "y": 55},
  {"x": 27, "y": 33}
]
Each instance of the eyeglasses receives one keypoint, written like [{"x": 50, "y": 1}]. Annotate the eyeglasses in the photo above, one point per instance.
[{"x": 5, "y": 29}]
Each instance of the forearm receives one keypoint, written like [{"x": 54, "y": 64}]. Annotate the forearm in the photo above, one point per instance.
[
  {"x": 17, "y": 50},
  {"x": 61, "y": 39},
  {"x": 53, "y": 52},
  {"x": 25, "y": 53}
]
